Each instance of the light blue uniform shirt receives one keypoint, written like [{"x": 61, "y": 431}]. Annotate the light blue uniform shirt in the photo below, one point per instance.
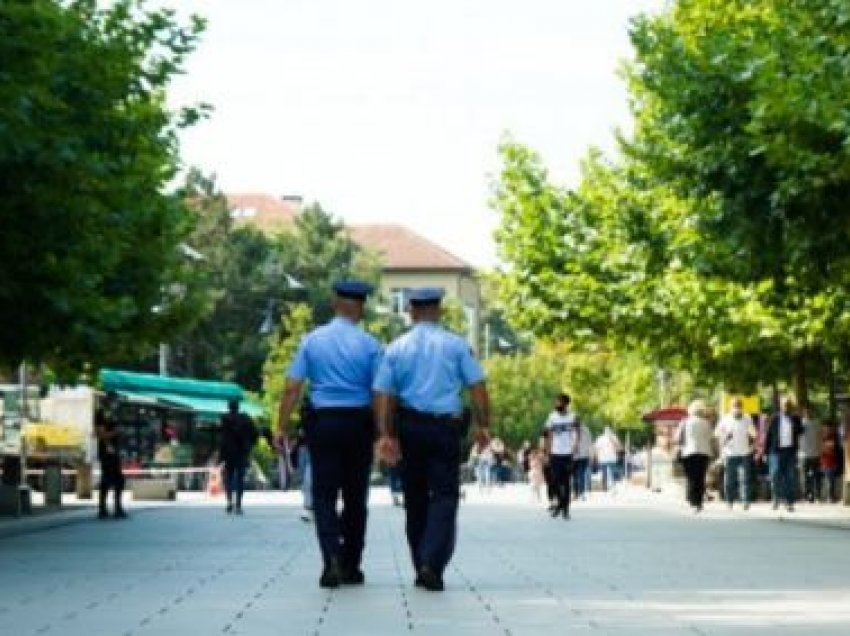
[
  {"x": 426, "y": 369},
  {"x": 340, "y": 360}
]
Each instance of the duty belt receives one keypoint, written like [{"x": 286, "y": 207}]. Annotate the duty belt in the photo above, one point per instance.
[{"x": 443, "y": 418}]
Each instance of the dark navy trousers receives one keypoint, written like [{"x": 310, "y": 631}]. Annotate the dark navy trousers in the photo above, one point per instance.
[
  {"x": 431, "y": 481},
  {"x": 340, "y": 441}
]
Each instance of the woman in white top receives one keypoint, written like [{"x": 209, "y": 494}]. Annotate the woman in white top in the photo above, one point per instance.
[
  {"x": 607, "y": 449},
  {"x": 695, "y": 435}
]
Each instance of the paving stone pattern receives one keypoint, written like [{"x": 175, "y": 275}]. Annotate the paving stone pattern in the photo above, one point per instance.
[{"x": 613, "y": 569}]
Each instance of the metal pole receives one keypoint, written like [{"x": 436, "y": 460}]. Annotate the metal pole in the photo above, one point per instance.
[{"x": 163, "y": 358}]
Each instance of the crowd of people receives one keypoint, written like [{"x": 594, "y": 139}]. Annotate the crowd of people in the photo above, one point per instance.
[
  {"x": 560, "y": 466},
  {"x": 801, "y": 456}
]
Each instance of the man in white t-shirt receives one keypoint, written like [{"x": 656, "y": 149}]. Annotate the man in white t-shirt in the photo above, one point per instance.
[
  {"x": 736, "y": 433},
  {"x": 561, "y": 441}
]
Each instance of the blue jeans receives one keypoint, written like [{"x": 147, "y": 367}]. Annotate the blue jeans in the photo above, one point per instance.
[
  {"x": 609, "y": 474},
  {"x": 581, "y": 476},
  {"x": 305, "y": 472},
  {"x": 484, "y": 473},
  {"x": 783, "y": 475},
  {"x": 738, "y": 466}
]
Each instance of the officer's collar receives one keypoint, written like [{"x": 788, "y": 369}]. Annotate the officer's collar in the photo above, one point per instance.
[{"x": 343, "y": 320}]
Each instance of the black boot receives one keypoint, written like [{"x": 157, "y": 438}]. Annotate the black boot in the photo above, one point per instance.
[{"x": 331, "y": 576}]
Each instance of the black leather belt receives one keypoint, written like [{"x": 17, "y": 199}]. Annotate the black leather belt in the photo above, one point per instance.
[
  {"x": 343, "y": 410},
  {"x": 443, "y": 418}
]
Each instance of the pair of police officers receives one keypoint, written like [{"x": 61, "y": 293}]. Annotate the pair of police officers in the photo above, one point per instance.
[{"x": 415, "y": 388}]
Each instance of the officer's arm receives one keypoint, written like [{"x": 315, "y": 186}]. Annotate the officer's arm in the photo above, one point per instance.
[
  {"x": 291, "y": 395},
  {"x": 384, "y": 406}
]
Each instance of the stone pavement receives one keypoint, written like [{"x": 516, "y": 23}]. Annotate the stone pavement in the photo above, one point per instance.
[{"x": 624, "y": 565}]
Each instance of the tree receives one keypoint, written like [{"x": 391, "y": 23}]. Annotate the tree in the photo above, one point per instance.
[
  {"x": 252, "y": 278},
  {"x": 318, "y": 252},
  {"x": 715, "y": 241},
  {"x": 294, "y": 325},
  {"x": 740, "y": 106},
  {"x": 90, "y": 235}
]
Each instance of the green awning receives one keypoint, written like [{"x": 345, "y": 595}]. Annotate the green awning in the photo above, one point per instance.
[
  {"x": 208, "y": 399},
  {"x": 208, "y": 408},
  {"x": 149, "y": 383}
]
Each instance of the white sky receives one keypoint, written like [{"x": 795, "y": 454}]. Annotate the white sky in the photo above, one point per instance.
[{"x": 392, "y": 110}]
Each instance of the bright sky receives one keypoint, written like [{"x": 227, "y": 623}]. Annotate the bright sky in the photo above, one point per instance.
[{"x": 392, "y": 110}]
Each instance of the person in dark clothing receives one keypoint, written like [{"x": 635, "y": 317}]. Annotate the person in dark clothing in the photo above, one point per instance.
[
  {"x": 238, "y": 437},
  {"x": 781, "y": 444},
  {"x": 109, "y": 455}
]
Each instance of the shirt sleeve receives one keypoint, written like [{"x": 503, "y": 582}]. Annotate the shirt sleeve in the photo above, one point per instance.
[
  {"x": 377, "y": 357},
  {"x": 384, "y": 377},
  {"x": 470, "y": 369},
  {"x": 298, "y": 366}
]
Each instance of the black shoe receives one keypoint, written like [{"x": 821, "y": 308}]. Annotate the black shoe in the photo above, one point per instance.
[
  {"x": 566, "y": 513},
  {"x": 120, "y": 514},
  {"x": 102, "y": 514},
  {"x": 330, "y": 576},
  {"x": 228, "y": 508},
  {"x": 352, "y": 576},
  {"x": 555, "y": 511},
  {"x": 430, "y": 580}
]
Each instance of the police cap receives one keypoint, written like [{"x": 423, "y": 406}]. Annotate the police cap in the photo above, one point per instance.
[
  {"x": 426, "y": 296},
  {"x": 353, "y": 289}
]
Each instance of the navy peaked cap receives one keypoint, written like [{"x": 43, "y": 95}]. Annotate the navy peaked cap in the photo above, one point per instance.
[
  {"x": 355, "y": 289},
  {"x": 426, "y": 295}
]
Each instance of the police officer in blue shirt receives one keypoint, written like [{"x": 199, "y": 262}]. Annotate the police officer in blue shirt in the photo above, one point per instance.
[
  {"x": 421, "y": 377},
  {"x": 339, "y": 360}
]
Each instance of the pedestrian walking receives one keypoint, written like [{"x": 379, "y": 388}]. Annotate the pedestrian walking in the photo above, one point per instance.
[
  {"x": 522, "y": 460},
  {"x": 423, "y": 373},
  {"x": 830, "y": 461},
  {"x": 109, "y": 454},
  {"x": 238, "y": 436},
  {"x": 483, "y": 461},
  {"x": 581, "y": 472},
  {"x": 535, "y": 472},
  {"x": 561, "y": 442},
  {"x": 736, "y": 435},
  {"x": 810, "y": 453},
  {"x": 607, "y": 449},
  {"x": 694, "y": 439},
  {"x": 339, "y": 360},
  {"x": 782, "y": 447}
]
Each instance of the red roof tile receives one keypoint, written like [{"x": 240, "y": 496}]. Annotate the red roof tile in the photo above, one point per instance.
[
  {"x": 263, "y": 211},
  {"x": 403, "y": 249}
]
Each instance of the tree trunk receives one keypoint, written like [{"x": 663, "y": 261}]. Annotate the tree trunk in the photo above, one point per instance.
[{"x": 801, "y": 384}]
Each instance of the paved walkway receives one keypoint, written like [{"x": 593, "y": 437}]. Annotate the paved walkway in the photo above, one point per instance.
[{"x": 626, "y": 565}]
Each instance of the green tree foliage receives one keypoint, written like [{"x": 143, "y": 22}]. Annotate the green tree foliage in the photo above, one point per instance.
[
  {"x": 252, "y": 278},
  {"x": 89, "y": 235},
  {"x": 319, "y": 251},
  {"x": 608, "y": 389},
  {"x": 717, "y": 240},
  {"x": 294, "y": 325}
]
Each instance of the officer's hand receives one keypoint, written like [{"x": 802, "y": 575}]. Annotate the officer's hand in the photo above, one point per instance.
[{"x": 388, "y": 450}]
